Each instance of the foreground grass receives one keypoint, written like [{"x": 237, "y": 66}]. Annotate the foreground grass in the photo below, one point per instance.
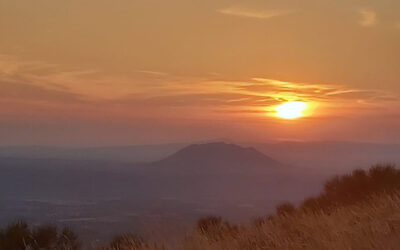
[
  {"x": 360, "y": 210},
  {"x": 374, "y": 224}
]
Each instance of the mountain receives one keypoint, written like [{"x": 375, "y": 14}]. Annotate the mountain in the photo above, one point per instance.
[
  {"x": 217, "y": 158},
  {"x": 196, "y": 173}
]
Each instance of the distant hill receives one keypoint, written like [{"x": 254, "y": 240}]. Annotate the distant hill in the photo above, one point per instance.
[
  {"x": 323, "y": 156},
  {"x": 131, "y": 154},
  {"x": 331, "y": 156},
  {"x": 217, "y": 158}
]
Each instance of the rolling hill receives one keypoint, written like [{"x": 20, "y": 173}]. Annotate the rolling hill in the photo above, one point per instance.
[{"x": 217, "y": 158}]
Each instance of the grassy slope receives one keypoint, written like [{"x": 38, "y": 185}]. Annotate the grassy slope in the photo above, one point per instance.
[{"x": 370, "y": 225}]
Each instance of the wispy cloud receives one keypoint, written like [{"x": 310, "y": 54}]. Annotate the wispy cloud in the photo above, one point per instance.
[
  {"x": 367, "y": 18},
  {"x": 151, "y": 72},
  {"x": 42, "y": 82},
  {"x": 212, "y": 99},
  {"x": 291, "y": 91},
  {"x": 253, "y": 12},
  {"x": 29, "y": 92},
  {"x": 256, "y": 94},
  {"x": 91, "y": 84}
]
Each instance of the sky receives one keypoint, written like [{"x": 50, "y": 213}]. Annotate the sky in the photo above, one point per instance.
[{"x": 116, "y": 72}]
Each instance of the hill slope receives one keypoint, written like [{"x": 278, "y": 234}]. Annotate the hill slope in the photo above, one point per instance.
[
  {"x": 371, "y": 225},
  {"x": 217, "y": 158}
]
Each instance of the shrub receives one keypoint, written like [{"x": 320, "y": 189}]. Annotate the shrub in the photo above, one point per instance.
[
  {"x": 44, "y": 237},
  {"x": 215, "y": 228},
  {"x": 356, "y": 187},
  {"x": 19, "y": 236},
  {"x": 16, "y": 236},
  {"x": 127, "y": 242},
  {"x": 285, "y": 209},
  {"x": 68, "y": 240}
]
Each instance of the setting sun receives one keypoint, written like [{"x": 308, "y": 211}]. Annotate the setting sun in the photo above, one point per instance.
[{"x": 291, "y": 110}]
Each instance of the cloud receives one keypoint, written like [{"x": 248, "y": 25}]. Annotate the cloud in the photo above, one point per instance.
[
  {"x": 362, "y": 95},
  {"x": 150, "y": 72},
  {"x": 211, "y": 99},
  {"x": 253, "y": 12},
  {"x": 89, "y": 84},
  {"x": 291, "y": 91},
  {"x": 41, "y": 82},
  {"x": 29, "y": 92},
  {"x": 252, "y": 96},
  {"x": 367, "y": 18}
]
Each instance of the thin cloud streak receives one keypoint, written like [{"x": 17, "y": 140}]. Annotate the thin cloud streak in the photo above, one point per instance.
[
  {"x": 150, "y": 72},
  {"x": 30, "y": 92},
  {"x": 290, "y": 91},
  {"x": 254, "y": 13}
]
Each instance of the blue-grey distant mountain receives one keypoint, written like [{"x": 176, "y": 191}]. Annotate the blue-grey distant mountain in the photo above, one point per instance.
[{"x": 217, "y": 158}]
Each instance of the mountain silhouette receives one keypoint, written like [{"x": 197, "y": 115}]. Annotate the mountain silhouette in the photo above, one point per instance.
[{"x": 217, "y": 158}]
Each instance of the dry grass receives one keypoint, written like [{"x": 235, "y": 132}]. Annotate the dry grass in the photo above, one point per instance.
[{"x": 370, "y": 225}]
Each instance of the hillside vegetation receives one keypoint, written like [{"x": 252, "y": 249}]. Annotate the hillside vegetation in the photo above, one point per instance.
[
  {"x": 374, "y": 224},
  {"x": 360, "y": 210}
]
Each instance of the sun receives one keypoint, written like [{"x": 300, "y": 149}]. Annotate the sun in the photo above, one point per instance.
[{"x": 290, "y": 110}]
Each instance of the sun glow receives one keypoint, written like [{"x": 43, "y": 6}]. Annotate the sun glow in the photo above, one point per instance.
[{"x": 291, "y": 110}]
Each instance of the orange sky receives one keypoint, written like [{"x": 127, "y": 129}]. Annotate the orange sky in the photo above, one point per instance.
[{"x": 100, "y": 72}]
